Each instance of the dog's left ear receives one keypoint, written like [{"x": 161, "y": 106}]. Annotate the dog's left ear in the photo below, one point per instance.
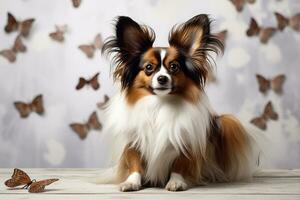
[{"x": 194, "y": 40}]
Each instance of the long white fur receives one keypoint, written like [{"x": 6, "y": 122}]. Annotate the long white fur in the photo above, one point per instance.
[{"x": 160, "y": 127}]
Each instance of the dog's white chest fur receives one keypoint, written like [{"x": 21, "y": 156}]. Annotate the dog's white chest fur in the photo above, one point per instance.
[{"x": 160, "y": 127}]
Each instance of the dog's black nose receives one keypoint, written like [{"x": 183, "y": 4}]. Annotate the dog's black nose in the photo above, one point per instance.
[{"x": 162, "y": 79}]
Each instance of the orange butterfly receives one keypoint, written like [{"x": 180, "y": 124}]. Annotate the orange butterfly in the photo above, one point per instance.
[
  {"x": 103, "y": 104},
  {"x": 22, "y": 26},
  {"x": 93, "y": 82},
  {"x": 82, "y": 129},
  {"x": 58, "y": 35},
  {"x": 11, "y": 54},
  {"x": 20, "y": 177},
  {"x": 264, "y": 34},
  {"x": 76, "y": 3},
  {"x": 269, "y": 113},
  {"x": 275, "y": 84},
  {"x": 293, "y": 22},
  {"x": 26, "y": 108},
  {"x": 89, "y": 49},
  {"x": 239, "y": 4}
]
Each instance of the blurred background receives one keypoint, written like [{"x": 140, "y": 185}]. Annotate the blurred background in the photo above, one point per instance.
[{"x": 53, "y": 68}]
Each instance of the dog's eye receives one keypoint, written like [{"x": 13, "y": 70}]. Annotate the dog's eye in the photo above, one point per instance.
[
  {"x": 149, "y": 69},
  {"x": 174, "y": 67}
]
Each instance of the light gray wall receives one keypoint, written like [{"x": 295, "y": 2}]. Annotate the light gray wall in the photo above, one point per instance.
[{"x": 53, "y": 69}]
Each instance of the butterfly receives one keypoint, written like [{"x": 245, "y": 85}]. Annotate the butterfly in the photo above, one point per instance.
[
  {"x": 293, "y": 22},
  {"x": 90, "y": 49},
  {"x": 93, "y": 82},
  {"x": 11, "y": 54},
  {"x": 82, "y": 129},
  {"x": 239, "y": 4},
  {"x": 103, "y": 104},
  {"x": 58, "y": 35},
  {"x": 264, "y": 34},
  {"x": 26, "y": 108},
  {"x": 20, "y": 178},
  {"x": 22, "y": 26},
  {"x": 76, "y": 3},
  {"x": 275, "y": 84},
  {"x": 222, "y": 35},
  {"x": 269, "y": 113}
]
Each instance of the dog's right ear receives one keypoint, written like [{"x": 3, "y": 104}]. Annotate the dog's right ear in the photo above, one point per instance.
[{"x": 131, "y": 40}]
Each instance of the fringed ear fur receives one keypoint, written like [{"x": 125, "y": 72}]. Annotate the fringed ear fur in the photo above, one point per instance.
[
  {"x": 131, "y": 40},
  {"x": 194, "y": 40}
]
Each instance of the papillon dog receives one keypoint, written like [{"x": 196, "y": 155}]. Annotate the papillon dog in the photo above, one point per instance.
[{"x": 163, "y": 130}]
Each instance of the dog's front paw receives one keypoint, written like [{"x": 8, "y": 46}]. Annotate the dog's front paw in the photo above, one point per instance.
[
  {"x": 127, "y": 186},
  {"x": 176, "y": 183},
  {"x": 133, "y": 183}
]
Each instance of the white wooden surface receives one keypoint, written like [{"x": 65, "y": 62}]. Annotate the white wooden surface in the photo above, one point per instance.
[{"x": 268, "y": 184}]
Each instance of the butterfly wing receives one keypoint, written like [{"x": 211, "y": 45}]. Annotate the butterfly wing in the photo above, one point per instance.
[
  {"x": 80, "y": 129},
  {"x": 18, "y": 178},
  {"x": 26, "y": 26},
  {"x": 94, "y": 122},
  {"x": 89, "y": 50},
  {"x": 238, "y": 4},
  {"x": 98, "y": 42},
  {"x": 282, "y": 21},
  {"x": 9, "y": 54},
  {"x": 103, "y": 104},
  {"x": 264, "y": 84},
  {"x": 39, "y": 186},
  {"x": 269, "y": 112},
  {"x": 23, "y": 108},
  {"x": 94, "y": 82},
  {"x": 37, "y": 104},
  {"x": 253, "y": 29},
  {"x": 12, "y": 23},
  {"x": 295, "y": 22},
  {"x": 57, "y": 36},
  {"x": 265, "y": 34},
  {"x": 76, "y": 3},
  {"x": 18, "y": 45},
  {"x": 259, "y": 122},
  {"x": 81, "y": 83},
  {"x": 277, "y": 83},
  {"x": 222, "y": 36}
]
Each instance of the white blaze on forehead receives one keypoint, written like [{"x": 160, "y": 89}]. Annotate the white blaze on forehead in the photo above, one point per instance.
[
  {"x": 163, "y": 70},
  {"x": 157, "y": 87}
]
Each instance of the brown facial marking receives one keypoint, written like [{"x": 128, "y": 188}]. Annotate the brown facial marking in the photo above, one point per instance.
[
  {"x": 142, "y": 82},
  {"x": 182, "y": 84}
]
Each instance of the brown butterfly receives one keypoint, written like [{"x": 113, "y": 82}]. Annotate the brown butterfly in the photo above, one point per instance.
[
  {"x": 82, "y": 129},
  {"x": 275, "y": 84},
  {"x": 293, "y": 22},
  {"x": 103, "y": 104},
  {"x": 90, "y": 49},
  {"x": 92, "y": 82},
  {"x": 76, "y": 3},
  {"x": 222, "y": 35},
  {"x": 264, "y": 34},
  {"x": 58, "y": 35},
  {"x": 22, "y": 26},
  {"x": 26, "y": 108},
  {"x": 269, "y": 113},
  {"x": 20, "y": 178},
  {"x": 11, "y": 54},
  {"x": 239, "y": 4}
]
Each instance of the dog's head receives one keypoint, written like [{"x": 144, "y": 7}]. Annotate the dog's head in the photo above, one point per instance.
[{"x": 175, "y": 70}]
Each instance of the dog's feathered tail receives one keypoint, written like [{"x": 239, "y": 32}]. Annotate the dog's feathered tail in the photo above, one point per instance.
[{"x": 242, "y": 147}]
